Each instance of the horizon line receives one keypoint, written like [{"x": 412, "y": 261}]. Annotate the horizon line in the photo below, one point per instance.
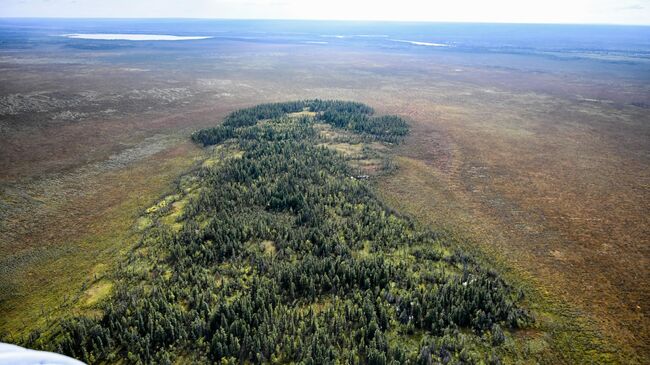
[{"x": 328, "y": 20}]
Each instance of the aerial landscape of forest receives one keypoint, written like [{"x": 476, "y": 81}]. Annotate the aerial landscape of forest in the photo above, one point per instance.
[{"x": 180, "y": 191}]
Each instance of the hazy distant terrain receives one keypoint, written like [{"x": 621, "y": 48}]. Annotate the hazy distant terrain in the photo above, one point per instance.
[{"x": 529, "y": 143}]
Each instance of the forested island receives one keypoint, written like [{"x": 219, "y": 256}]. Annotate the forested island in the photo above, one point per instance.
[{"x": 277, "y": 250}]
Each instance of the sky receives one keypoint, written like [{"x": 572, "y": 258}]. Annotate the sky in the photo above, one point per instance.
[{"x": 499, "y": 11}]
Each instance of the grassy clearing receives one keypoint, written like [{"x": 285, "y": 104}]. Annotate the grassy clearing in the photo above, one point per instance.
[
  {"x": 365, "y": 157},
  {"x": 97, "y": 292},
  {"x": 347, "y": 149},
  {"x": 268, "y": 247},
  {"x": 304, "y": 113}
]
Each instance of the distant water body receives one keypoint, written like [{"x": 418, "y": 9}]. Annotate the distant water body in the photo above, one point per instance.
[{"x": 421, "y": 43}]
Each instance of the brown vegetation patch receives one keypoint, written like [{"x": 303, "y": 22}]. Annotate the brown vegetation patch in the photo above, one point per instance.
[{"x": 555, "y": 201}]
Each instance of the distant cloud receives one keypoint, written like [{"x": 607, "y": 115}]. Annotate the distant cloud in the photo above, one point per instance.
[
  {"x": 509, "y": 11},
  {"x": 632, "y": 7}
]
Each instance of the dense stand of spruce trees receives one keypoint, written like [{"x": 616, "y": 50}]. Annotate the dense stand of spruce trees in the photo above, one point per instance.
[{"x": 284, "y": 257}]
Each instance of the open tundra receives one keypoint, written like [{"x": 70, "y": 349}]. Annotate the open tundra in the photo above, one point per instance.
[{"x": 530, "y": 158}]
